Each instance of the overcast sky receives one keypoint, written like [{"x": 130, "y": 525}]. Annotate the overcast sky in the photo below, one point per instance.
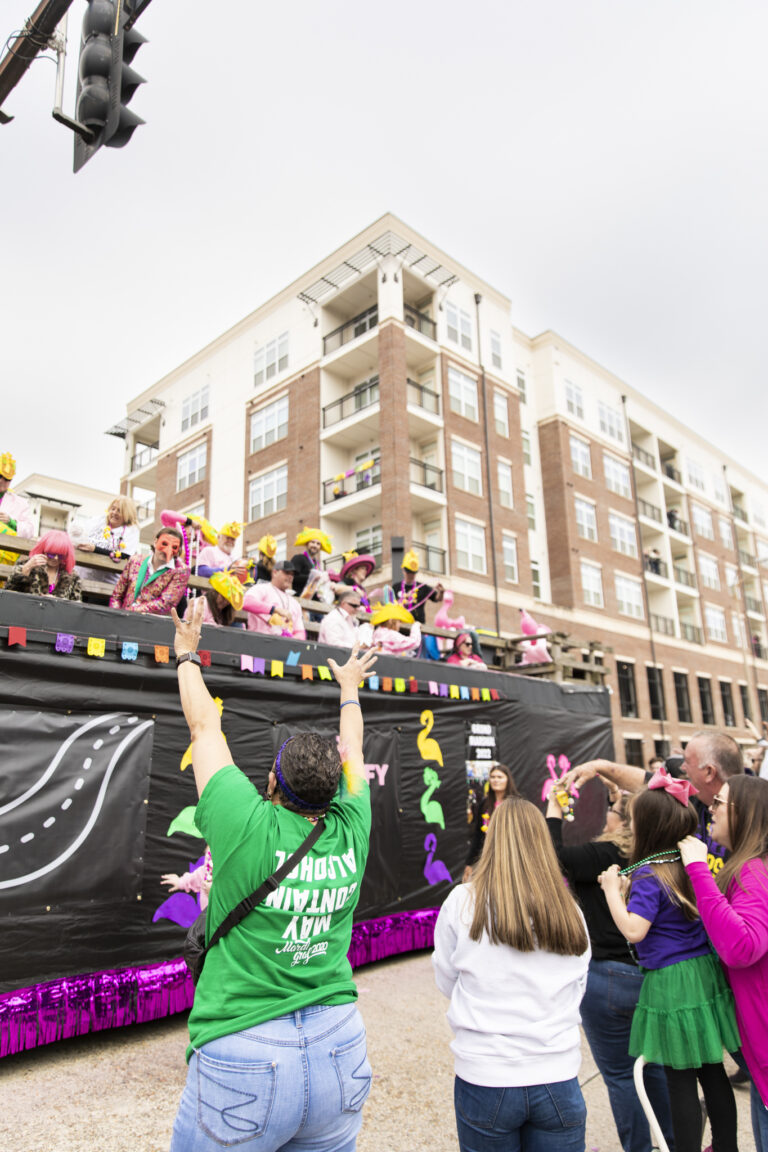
[{"x": 602, "y": 163}]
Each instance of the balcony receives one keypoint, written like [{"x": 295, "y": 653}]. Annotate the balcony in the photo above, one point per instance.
[
  {"x": 740, "y": 514},
  {"x": 423, "y": 397},
  {"x": 650, "y": 511},
  {"x": 664, "y": 625},
  {"x": 420, "y": 322},
  {"x": 671, "y": 472},
  {"x": 754, "y": 606},
  {"x": 146, "y": 455},
  {"x": 426, "y": 475},
  {"x": 677, "y": 524},
  {"x": 691, "y": 633},
  {"x": 655, "y": 566},
  {"x": 643, "y": 457},
  {"x": 684, "y": 577},
  {"x": 747, "y": 559},
  {"x": 362, "y": 397},
  {"x": 341, "y": 495},
  {"x": 146, "y": 511},
  {"x": 431, "y": 559},
  {"x": 351, "y": 330}
]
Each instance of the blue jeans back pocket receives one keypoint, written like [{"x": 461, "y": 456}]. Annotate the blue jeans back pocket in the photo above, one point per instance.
[
  {"x": 234, "y": 1101},
  {"x": 354, "y": 1073}
]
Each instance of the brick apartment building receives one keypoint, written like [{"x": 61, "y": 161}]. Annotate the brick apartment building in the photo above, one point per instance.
[{"x": 387, "y": 392}]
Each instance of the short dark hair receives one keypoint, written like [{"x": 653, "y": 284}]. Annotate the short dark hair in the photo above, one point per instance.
[{"x": 311, "y": 768}]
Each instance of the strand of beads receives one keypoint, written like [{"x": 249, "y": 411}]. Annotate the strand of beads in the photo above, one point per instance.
[{"x": 667, "y": 857}]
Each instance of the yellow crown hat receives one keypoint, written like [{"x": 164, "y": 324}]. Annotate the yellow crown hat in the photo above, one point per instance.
[
  {"x": 233, "y": 529},
  {"x": 207, "y": 530},
  {"x": 7, "y": 466},
  {"x": 229, "y": 587},
  {"x": 391, "y": 612},
  {"x": 308, "y": 534},
  {"x": 268, "y": 545},
  {"x": 410, "y": 561}
]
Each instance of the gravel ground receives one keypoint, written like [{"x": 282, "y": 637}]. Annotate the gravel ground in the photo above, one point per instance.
[{"x": 118, "y": 1091}]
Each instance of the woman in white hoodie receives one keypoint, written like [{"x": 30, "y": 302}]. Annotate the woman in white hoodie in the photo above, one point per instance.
[{"x": 511, "y": 953}]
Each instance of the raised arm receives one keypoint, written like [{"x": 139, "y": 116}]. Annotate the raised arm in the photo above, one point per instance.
[
  {"x": 349, "y": 675},
  {"x": 209, "y": 748},
  {"x": 624, "y": 776}
]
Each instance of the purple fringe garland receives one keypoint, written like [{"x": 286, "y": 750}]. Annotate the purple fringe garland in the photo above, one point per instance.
[{"x": 75, "y": 1005}]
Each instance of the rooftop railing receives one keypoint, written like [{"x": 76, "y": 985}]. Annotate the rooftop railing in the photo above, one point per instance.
[{"x": 420, "y": 322}]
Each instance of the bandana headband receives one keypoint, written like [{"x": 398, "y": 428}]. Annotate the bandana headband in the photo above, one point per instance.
[
  {"x": 682, "y": 790},
  {"x": 284, "y": 787}
]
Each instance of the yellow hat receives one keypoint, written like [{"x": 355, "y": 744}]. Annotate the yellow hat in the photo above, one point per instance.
[
  {"x": 308, "y": 534},
  {"x": 268, "y": 545},
  {"x": 207, "y": 530},
  {"x": 230, "y": 588},
  {"x": 7, "y": 466},
  {"x": 410, "y": 561},
  {"x": 7, "y": 557},
  {"x": 233, "y": 529},
  {"x": 391, "y": 612}
]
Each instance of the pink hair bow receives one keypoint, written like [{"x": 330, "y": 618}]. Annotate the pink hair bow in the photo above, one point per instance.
[{"x": 682, "y": 790}]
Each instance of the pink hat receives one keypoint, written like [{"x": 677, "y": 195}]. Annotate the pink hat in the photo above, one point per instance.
[{"x": 353, "y": 561}]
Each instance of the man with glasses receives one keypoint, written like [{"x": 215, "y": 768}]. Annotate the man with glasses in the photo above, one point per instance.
[{"x": 340, "y": 627}]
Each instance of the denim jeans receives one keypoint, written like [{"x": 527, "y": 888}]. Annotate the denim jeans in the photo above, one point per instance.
[
  {"x": 759, "y": 1120},
  {"x": 606, "y": 1014},
  {"x": 294, "y": 1083},
  {"x": 540, "y": 1118}
]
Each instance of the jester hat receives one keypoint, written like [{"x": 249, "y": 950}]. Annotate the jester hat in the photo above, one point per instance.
[
  {"x": 308, "y": 534},
  {"x": 391, "y": 612},
  {"x": 229, "y": 587}
]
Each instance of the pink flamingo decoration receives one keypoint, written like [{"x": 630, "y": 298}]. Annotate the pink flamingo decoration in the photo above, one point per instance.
[
  {"x": 442, "y": 619},
  {"x": 534, "y": 651},
  {"x": 564, "y": 764}
]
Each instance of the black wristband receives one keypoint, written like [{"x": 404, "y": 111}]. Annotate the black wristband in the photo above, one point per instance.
[{"x": 191, "y": 656}]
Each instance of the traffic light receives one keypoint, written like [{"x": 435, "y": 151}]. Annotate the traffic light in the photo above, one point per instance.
[{"x": 106, "y": 82}]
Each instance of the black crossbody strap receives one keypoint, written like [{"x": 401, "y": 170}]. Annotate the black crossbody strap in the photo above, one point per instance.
[{"x": 270, "y": 884}]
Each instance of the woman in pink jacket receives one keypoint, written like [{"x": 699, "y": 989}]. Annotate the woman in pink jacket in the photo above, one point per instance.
[{"x": 734, "y": 911}]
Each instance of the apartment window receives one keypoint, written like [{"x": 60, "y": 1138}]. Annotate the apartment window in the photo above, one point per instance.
[
  {"x": 269, "y": 424},
  {"x": 592, "y": 584},
  {"x": 530, "y": 508},
  {"x": 536, "y": 579},
  {"x": 500, "y": 413},
  {"x": 462, "y": 390},
  {"x": 610, "y": 422},
  {"x": 661, "y": 748},
  {"x": 714, "y": 618},
  {"x": 762, "y": 699},
  {"x": 504, "y": 472},
  {"x": 190, "y": 467},
  {"x": 526, "y": 438},
  {"x": 194, "y": 408},
  {"x": 623, "y": 536},
  {"x": 702, "y": 521},
  {"x": 581, "y": 459},
  {"x": 267, "y": 493},
  {"x": 633, "y": 751},
  {"x": 458, "y": 325},
  {"x": 726, "y": 698},
  {"x": 732, "y": 579},
  {"x": 470, "y": 546},
  {"x": 656, "y": 694},
  {"x": 682, "y": 698},
  {"x": 705, "y": 700},
  {"x": 617, "y": 476},
  {"x": 574, "y": 400},
  {"x": 495, "y": 349},
  {"x": 509, "y": 547},
  {"x": 586, "y": 518},
  {"x": 709, "y": 572},
  {"x": 466, "y": 463},
  {"x": 270, "y": 359},
  {"x": 521, "y": 386},
  {"x": 629, "y": 596},
  {"x": 726, "y": 535},
  {"x": 695, "y": 474},
  {"x": 745, "y": 705},
  {"x": 369, "y": 540},
  {"x": 627, "y": 693}
]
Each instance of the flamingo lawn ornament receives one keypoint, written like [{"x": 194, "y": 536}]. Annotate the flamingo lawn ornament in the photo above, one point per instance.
[
  {"x": 431, "y": 810},
  {"x": 429, "y": 749},
  {"x": 564, "y": 796},
  {"x": 434, "y": 870},
  {"x": 442, "y": 619},
  {"x": 534, "y": 651}
]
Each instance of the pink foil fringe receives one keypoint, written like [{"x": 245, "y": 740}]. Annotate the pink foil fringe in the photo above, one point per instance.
[{"x": 75, "y": 1005}]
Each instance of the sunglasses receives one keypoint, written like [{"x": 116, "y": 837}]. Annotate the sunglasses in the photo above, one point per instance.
[{"x": 716, "y": 802}]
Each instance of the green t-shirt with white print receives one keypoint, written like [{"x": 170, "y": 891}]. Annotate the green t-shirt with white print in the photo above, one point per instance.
[{"x": 290, "y": 951}]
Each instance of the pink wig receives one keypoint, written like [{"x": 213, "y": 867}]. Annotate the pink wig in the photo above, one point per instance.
[{"x": 58, "y": 542}]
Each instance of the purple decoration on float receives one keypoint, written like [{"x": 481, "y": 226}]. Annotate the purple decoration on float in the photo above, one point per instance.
[
  {"x": 434, "y": 870},
  {"x": 443, "y": 689},
  {"x": 180, "y": 907},
  {"x": 64, "y": 642}
]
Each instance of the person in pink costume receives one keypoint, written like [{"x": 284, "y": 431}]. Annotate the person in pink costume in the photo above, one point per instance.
[
  {"x": 218, "y": 557},
  {"x": 153, "y": 584},
  {"x": 734, "y": 910},
  {"x": 15, "y": 512},
  {"x": 463, "y": 653},
  {"x": 388, "y": 638},
  {"x": 270, "y": 607},
  {"x": 198, "y": 880}
]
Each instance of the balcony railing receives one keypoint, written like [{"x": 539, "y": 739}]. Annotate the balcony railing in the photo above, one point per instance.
[
  {"x": 677, "y": 524},
  {"x": 670, "y": 471},
  {"x": 146, "y": 511},
  {"x": 656, "y": 566},
  {"x": 758, "y": 648},
  {"x": 423, "y": 397},
  {"x": 144, "y": 457},
  {"x": 421, "y": 322},
  {"x": 747, "y": 559},
  {"x": 683, "y": 576},
  {"x": 351, "y": 329},
  {"x": 426, "y": 475},
  {"x": 739, "y": 513},
  {"x": 336, "y": 563},
  {"x": 664, "y": 625},
  {"x": 431, "y": 559},
  {"x": 649, "y": 510},
  {"x": 691, "y": 633},
  {"x": 357, "y": 482},
  {"x": 643, "y": 456},
  {"x": 363, "y": 396},
  {"x": 754, "y": 605}
]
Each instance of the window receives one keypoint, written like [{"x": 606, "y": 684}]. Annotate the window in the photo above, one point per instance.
[
  {"x": 758, "y": 515},
  {"x": 466, "y": 464},
  {"x": 714, "y": 618},
  {"x": 709, "y": 572},
  {"x": 726, "y": 536},
  {"x": 702, "y": 521},
  {"x": 592, "y": 584},
  {"x": 627, "y": 694},
  {"x": 581, "y": 459},
  {"x": 737, "y": 627},
  {"x": 269, "y": 424},
  {"x": 586, "y": 519},
  {"x": 610, "y": 422},
  {"x": 745, "y": 705},
  {"x": 190, "y": 467},
  {"x": 267, "y": 492},
  {"x": 470, "y": 546},
  {"x": 536, "y": 579},
  {"x": 509, "y": 546},
  {"x": 617, "y": 476},
  {"x": 656, "y": 694},
  {"x": 526, "y": 438},
  {"x": 629, "y": 596},
  {"x": 661, "y": 748},
  {"x": 495, "y": 349},
  {"x": 459, "y": 326},
  {"x": 762, "y": 699},
  {"x": 369, "y": 540},
  {"x": 695, "y": 474},
  {"x": 726, "y": 698},
  {"x": 623, "y": 537},
  {"x": 462, "y": 390},
  {"x": 194, "y": 408},
  {"x": 682, "y": 698},
  {"x": 633, "y": 751},
  {"x": 574, "y": 400},
  {"x": 506, "y": 498},
  {"x": 500, "y": 413},
  {"x": 521, "y": 386},
  {"x": 270, "y": 359},
  {"x": 530, "y": 508},
  {"x": 705, "y": 699},
  {"x": 732, "y": 579}
]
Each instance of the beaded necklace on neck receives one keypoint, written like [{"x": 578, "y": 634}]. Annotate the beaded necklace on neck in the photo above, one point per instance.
[{"x": 667, "y": 857}]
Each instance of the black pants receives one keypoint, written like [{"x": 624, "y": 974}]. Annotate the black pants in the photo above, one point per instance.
[{"x": 686, "y": 1111}]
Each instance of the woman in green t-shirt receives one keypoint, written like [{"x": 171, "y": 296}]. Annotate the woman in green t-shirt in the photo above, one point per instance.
[{"x": 277, "y": 1047}]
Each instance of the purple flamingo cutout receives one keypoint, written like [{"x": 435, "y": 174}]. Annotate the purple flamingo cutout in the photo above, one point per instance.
[
  {"x": 181, "y": 907},
  {"x": 434, "y": 870}
]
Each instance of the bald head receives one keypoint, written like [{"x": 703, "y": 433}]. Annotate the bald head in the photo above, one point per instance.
[{"x": 710, "y": 759}]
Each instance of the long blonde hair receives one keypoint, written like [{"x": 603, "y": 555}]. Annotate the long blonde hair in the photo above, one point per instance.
[
  {"x": 520, "y": 897},
  {"x": 621, "y": 836}
]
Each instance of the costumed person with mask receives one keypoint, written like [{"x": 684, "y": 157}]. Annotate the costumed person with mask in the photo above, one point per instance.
[
  {"x": 307, "y": 567},
  {"x": 15, "y": 513},
  {"x": 217, "y": 557},
  {"x": 155, "y": 583},
  {"x": 388, "y": 638},
  {"x": 411, "y": 593},
  {"x": 223, "y": 601}
]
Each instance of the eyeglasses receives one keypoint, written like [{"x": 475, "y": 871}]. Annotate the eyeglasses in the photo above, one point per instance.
[{"x": 716, "y": 802}]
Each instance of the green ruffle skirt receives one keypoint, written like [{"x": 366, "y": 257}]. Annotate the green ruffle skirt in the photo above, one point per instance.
[{"x": 684, "y": 1017}]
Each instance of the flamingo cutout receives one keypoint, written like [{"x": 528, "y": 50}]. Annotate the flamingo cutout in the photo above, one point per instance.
[
  {"x": 534, "y": 651},
  {"x": 429, "y": 749},
  {"x": 431, "y": 810},
  {"x": 434, "y": 870},
  {"x": 564, "y": 764},
  {"x": 442, "y": 619}
]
